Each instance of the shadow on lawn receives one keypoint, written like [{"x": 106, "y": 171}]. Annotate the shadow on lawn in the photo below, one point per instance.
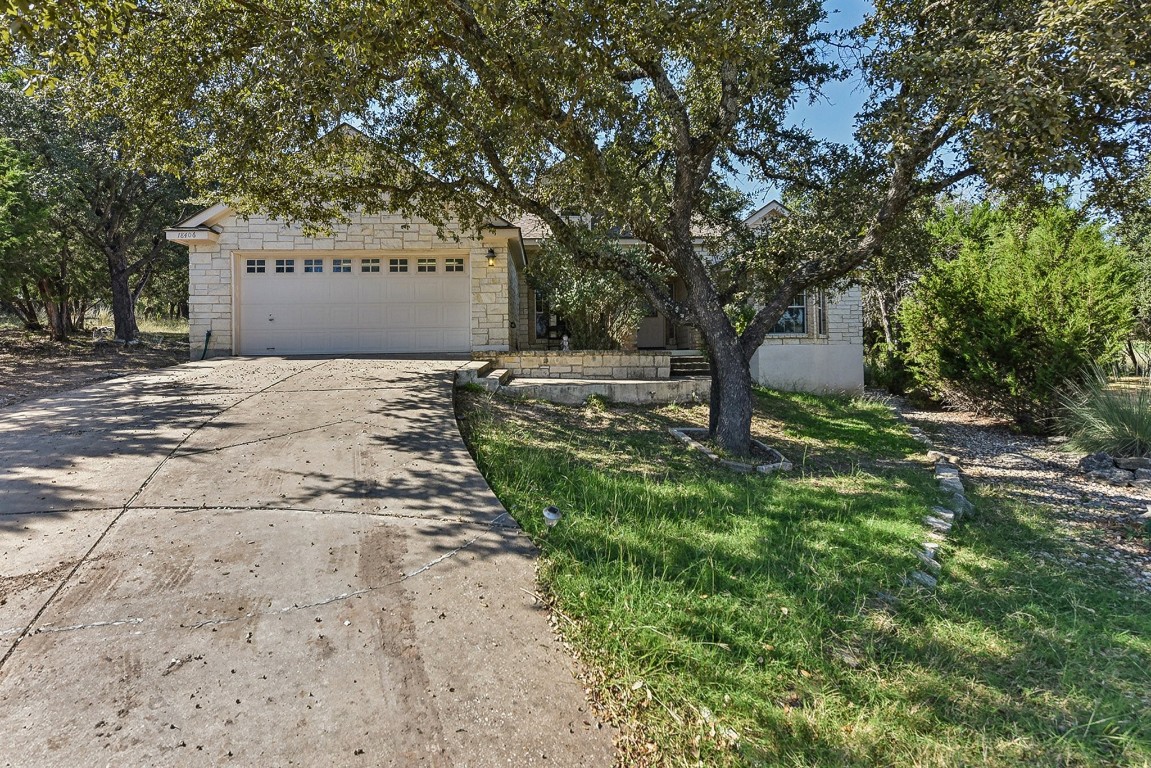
[{"x": 1015, "y": 659}]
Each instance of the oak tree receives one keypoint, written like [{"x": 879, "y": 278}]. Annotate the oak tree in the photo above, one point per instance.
[{"x": 643, "y": 113}]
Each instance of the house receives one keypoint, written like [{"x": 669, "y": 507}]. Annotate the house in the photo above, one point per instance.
[{"x": 383, "y": 283}]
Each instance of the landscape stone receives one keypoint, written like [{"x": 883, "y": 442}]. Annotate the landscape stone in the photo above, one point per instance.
[
  {"x": 937, "y": 523},
  {"x": 1096, "y": 462},
  {"x": 1143, "y": 474},
  {"x": 927, "y": 561},
  {"x": 923, "y": 579},
  {"x": 952, "y": 484},
  {"x": 1134, "y": 463},
  {"x": 1114, "y": 476},
  {"x": 946, "y": 470},
  {"x": 960, "y": 504},
  {"x": 943, "y": 513}
]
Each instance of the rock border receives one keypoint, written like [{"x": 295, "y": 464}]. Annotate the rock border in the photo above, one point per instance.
[
  {"x": 778, "y": 463},
  {"x": 942, "y": 519},
  {"x": 1134, "y": 471}
]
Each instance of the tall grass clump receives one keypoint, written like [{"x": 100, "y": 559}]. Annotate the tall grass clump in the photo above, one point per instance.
[{"x": 1099, "y": 415}]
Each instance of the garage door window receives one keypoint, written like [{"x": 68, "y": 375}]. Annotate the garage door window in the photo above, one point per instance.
[
  {"x": 285, "y": 265},
  {"x": 397, "y": 265},
  {"x": 253, "y": 266},
  {"x": 341, "y": 265},
  {"x": 453, "y": 265},
  {"x": 313, "y": 265},
  {"x": 369, "y": 265},
  {"x": 425, "y": 265}
]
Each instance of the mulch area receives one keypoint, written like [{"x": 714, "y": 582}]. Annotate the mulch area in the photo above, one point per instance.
[
  {"x": 32, "y": 365},
  {"x": 1106, "y": 521}
]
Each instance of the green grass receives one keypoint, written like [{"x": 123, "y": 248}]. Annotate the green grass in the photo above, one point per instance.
[
  {"x": 730, "y": 619},
  {"x": 145, "y": 323}
]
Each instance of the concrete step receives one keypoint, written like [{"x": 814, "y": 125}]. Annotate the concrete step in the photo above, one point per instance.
[
  {"x": 690, "y": 365},
  {"x": 495, "y": 379},
  {"x": 469, "y": 372}
]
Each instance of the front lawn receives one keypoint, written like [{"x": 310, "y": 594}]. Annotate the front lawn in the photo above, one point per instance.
[{"x": 729, "y": 619}]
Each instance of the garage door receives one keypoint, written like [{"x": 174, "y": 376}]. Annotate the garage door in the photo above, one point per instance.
[{"x": 334, "y": 304}]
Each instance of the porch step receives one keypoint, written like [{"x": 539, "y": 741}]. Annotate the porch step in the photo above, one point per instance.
[
  {"x": 470, "y": 372},
  {"x": 494, "y": 380},
  {"x": 689, "y": 365}
]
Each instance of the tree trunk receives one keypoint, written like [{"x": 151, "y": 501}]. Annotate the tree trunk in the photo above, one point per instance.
[
  {"x": 79, "y": 314},
  {"x": 24, "y": 308},
  {"x": 1134, "y": 358},
  {"x": 729, "y": 421},
  {"x": 884, "y": 318},
  {"x": 123, "y": 308},
  {"x": 56, "y": 308}
]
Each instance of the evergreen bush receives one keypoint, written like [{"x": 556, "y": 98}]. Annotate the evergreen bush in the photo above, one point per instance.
[{"x": 1020, "y": 308}]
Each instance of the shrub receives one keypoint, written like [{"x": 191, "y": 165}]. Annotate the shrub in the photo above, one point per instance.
[
  {"x": 886, "y": 368},
  {"x": 1021, "y": 307},
  {"x": 600, "y": 310},
  {"x": 1101, "y": 416}
]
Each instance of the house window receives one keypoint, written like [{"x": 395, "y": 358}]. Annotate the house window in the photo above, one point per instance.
[
  {"x": 453, "y": 265},
  {"x": 794, "y": 318},
  {"x": 425, "y": 265},
  {"x": 253, "y": 266},
  {"x": 285, "y": 265},
  {"x": 341, "y": 265},
  {"x": 397, "y": 265},
  {"x": 313, "y": 265},
  {"x": 369, "y": 265}
]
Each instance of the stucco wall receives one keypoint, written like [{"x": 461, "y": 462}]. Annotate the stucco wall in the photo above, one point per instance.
[
  {"x": 832, "y": 362},
  {"x": 211, "y": 264}
]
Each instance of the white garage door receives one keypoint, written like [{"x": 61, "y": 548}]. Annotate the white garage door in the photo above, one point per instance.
[{"x": 334, "y": 304}]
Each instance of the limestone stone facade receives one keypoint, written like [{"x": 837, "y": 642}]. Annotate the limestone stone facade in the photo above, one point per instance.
[
  {"x": 215, "y": 243},
  {"x": 586, "y": 365},
  {"x": 504, "y": 316}
]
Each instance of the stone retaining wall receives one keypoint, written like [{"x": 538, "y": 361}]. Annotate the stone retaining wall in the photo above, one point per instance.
[{"x": 586, "y": 365}]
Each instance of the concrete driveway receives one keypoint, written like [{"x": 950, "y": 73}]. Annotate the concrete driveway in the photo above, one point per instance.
[{"x": 270, "y": 562}]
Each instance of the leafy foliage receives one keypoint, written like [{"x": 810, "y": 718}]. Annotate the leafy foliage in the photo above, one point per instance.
[
  {"x": 100, "y": 236},
  {"x": 1022, "y": 307},
  {"x": 642, "y": 112},
  {"x": 600, "y": 309},
  {"x": 1134, "y": 232},
  {"x": 20, "y": 213},
  {"x": 1099, "y": 415}
]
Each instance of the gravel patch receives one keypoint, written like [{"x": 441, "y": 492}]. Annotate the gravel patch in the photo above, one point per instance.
[{"x": 1109, "y": 524}]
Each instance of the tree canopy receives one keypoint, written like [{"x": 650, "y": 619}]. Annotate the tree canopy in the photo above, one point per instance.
[{"x": 642, "y": 113}]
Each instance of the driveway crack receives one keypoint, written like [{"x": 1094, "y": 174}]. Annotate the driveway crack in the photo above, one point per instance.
[
  {"x": 491, "y": 525},
  {"x": 28, "y": 629}
]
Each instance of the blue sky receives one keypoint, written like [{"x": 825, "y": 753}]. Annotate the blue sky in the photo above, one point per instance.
[{"x": 832, "y": 115}]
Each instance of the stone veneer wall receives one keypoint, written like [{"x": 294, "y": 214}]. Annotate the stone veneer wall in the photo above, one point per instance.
[
  {"x": 211, "y": 264},
  {"x": 586, "y": 365}
]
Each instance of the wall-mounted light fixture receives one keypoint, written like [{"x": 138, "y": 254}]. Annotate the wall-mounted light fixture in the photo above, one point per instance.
[{"x": 491, "y": 257}]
